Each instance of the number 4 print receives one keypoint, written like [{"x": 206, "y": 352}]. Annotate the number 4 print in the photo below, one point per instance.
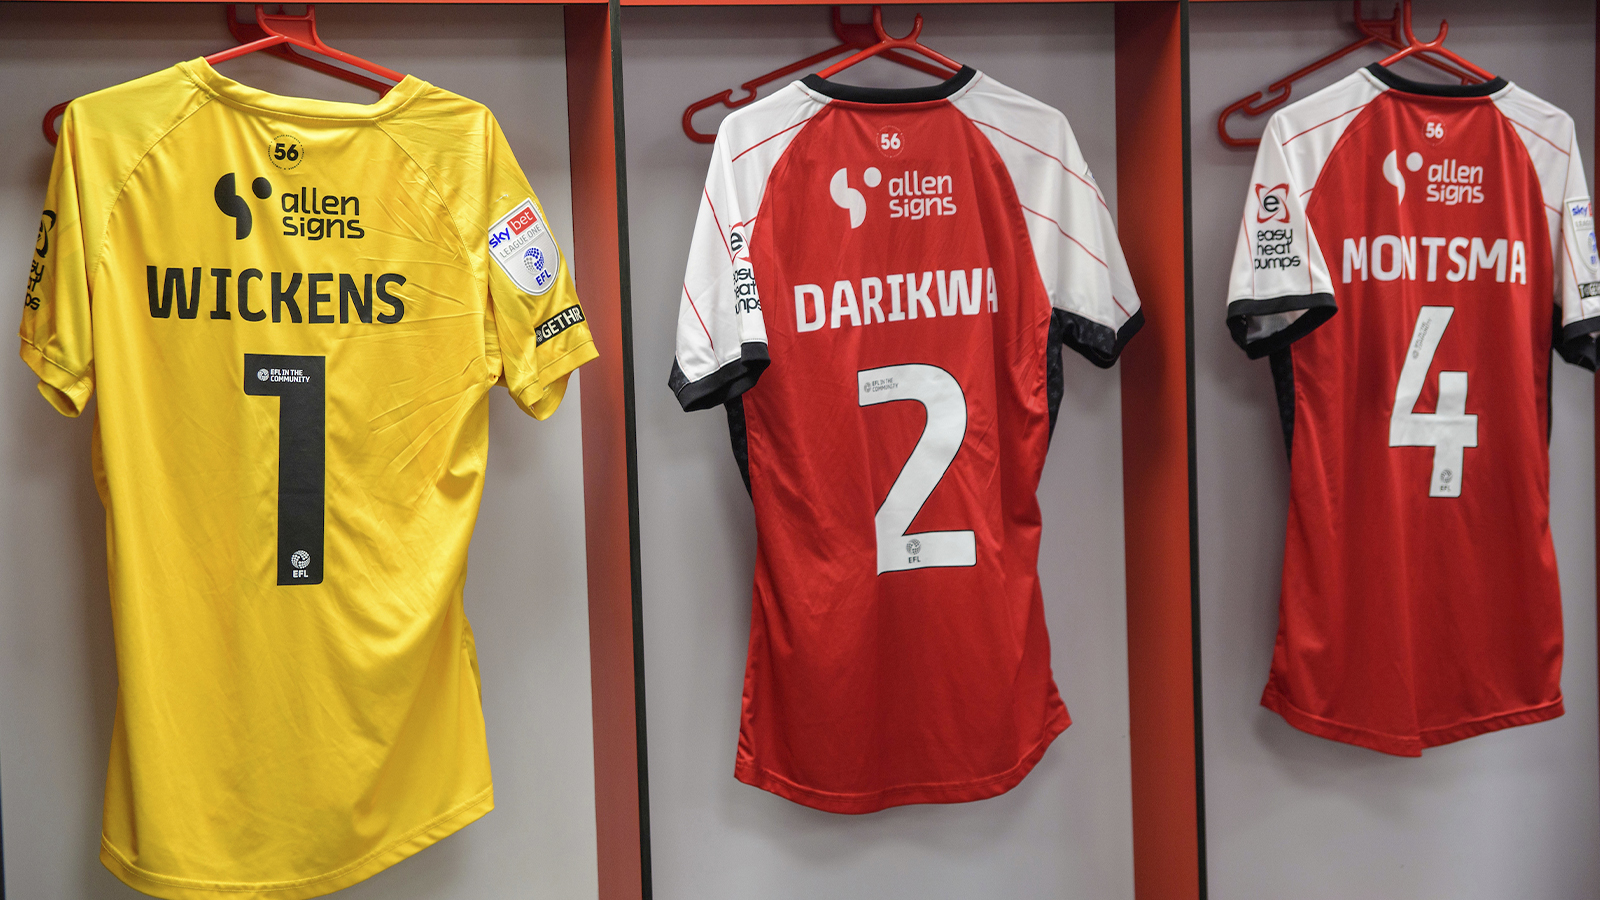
[
  {"x": 940, "y": 395},
  {"x": 299, "y": 384},
  {"x": 1449, "y": 430}
]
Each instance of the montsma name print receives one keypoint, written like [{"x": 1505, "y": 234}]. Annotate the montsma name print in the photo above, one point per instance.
[
  {"x": 317, "y": 298},
  {"x": 1389, "y": 257},
  {"x": 908, "y": 296}
]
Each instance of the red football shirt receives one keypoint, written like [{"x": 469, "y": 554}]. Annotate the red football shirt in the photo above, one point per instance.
[
  {"x": 878, "y": 288},
  {"x": 1410, "y": 253}
]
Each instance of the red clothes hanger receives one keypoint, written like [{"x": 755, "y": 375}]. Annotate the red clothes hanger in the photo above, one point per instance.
[
  {"x": 282, "y": 35},
  {"x": 852, "y": 36},
  {"x": 248, "y": 32},
  {"x": 292, "y": 32},
  {"x": 1435, "y": 47},
  {"x": 1392, "y": 32},
  {"x": 887, "y": 43}
]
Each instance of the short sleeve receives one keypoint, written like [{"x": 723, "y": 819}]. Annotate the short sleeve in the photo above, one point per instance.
[
  {"x": 1279, "y": 289},
  {"x": 1577, "y": 270},
  {"x": 722, "y": 337},
  {"x": 1094, "y": 306},
  {"x": 57, "y": 338},
  {"x": 1084, "y": 271},
  {"x": 535, "y": 319}
]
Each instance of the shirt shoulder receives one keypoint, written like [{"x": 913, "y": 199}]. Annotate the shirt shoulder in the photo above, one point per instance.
[
  {"x": 996, "y": 107},
  {"x": 111, "y": 132},
  {"x": 765, "y": 128}
]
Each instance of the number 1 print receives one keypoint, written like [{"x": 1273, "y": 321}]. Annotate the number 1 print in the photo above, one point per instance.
[{"x": 299, "y": 384}]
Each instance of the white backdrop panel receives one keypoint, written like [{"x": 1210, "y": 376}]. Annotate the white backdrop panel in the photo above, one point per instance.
[
  {"x": 1065, "y": 831},
  {"x": 527, "y": 589},
  {"x": 1515, "y": 813}
]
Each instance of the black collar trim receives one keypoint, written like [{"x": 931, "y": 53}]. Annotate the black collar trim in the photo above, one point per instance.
[
  {"x": 1401, "y": 83},
  {"x": 856, "y": 94}
]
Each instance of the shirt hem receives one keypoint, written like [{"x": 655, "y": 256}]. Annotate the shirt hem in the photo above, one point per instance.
[
  {"x": 902, "y": 795},
  {"x": 72, "y": 387},
  {"x": 191, "y": 889},
  {"x": 534, "y": 397},
  {"x": 1405, "y": 745}
]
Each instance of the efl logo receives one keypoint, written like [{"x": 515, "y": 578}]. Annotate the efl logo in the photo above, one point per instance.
[
  {"x": 1582, "y": 213},
  {"x": 523, "y": 247},
  {"x": 1272, "y": 203}
]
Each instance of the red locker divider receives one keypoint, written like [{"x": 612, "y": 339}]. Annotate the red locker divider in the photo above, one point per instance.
[
  {"x": 1158, "y": 452},
  {"x": 610, "y": 474}
]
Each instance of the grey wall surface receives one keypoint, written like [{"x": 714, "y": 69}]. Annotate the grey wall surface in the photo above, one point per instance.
[
  {"x": 1065, "y": 831},
  {"x": 526, "y": 592},
  {"x": 1515, "y": 813}
]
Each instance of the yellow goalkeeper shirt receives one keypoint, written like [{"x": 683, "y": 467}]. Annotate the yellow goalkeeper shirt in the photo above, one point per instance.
[{"x": 292, "y": 311}]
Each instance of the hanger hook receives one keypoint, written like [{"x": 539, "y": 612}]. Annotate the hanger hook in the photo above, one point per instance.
[
  {"x": 1368, "y": 26},
  {"x": 1444, "y": 29},
  {"x": 877, "y": 26},
  {"x": 1411, "y": 36}
]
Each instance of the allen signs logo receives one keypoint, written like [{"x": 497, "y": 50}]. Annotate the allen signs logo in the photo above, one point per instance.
[
  {"x": 1391, "y": 171},
  {"x": 848, "y": 198},
  {"x": 913, "y": 194},
  {"x": 233, "y": 205},
  {"x": 1450, "y": 181},
  {"x": 1272, "y": 203}
]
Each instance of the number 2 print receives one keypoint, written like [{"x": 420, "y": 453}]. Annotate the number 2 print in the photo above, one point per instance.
[{"x": 940, "y": 394}]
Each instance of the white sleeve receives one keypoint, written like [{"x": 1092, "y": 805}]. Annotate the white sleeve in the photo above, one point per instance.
[
  {"x": 1074, "y": 238},
  {"x": 1280, "y": 288},
  {"x": 722, "y": 339},
  {"x": 1577, "y": 270},
  {"x": 1082, "y": 263}
]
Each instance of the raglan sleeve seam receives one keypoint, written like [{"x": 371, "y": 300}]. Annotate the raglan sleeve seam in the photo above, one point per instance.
[
  {"x": 438, "y": 196},
  {"x": 742, "y": 370},
  {"x": 93, "y": 265}
]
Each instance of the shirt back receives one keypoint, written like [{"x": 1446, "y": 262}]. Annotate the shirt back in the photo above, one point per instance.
[{"x": 879, "y": 286}]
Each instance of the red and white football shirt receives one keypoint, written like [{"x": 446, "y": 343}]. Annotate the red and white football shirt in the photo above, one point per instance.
[
  {"x": 1410, "y": 252},
  {"x": 878, "y": 287}
]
